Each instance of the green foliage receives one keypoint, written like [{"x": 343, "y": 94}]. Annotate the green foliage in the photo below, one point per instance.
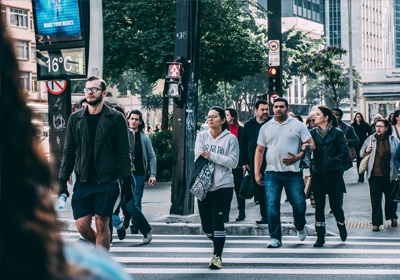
[
  {"x": 162, "y": 145},
  {"x": 77, "y": 86},
  {"x": 139, "y": 35},
  {"x": 206, "y": 101},
  {"x": 324, "y": 64},
  {"x": 318, "y": 91}
]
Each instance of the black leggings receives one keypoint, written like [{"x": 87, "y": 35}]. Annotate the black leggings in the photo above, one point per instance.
[
  {"x": 335, "y": 202},
  {"x": 237, "y": 180},
  {"x": 213, "y": 210}
]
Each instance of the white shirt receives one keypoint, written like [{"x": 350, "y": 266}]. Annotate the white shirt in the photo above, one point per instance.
[{"x": 281, "y": 139}]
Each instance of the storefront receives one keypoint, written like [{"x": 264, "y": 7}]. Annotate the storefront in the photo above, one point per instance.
[{"x": 381, "y": 95}]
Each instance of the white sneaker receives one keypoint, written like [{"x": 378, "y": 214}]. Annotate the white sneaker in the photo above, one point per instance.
[
  {"x": 274, "y": 243},
  {"x": 302, "y": 234},
  {"x": 147, "y": 238}
]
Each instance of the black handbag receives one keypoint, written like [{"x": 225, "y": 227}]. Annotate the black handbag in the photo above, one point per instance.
[
  {"x": 246, "y": 187},
  {"x": 305, "y": 162},
  {"x": 395, "y": 196}
]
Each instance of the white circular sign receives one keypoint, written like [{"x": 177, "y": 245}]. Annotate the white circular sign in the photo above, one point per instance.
[
  {"x": 56, "y": 87},
  {"x": 273, "y": 97}
]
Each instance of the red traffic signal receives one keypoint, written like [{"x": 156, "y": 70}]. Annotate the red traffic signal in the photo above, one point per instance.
[
  {"x": 174, "y": 70},
  {"x": 273, "y": 71}
]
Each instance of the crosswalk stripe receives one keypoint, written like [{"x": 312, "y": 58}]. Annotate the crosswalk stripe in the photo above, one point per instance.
[
  {"x": 393, "y": 261},
  {"x": 262, "y": 271},
  {"x": 254, "y": 250},
  {"x": 261, "y": 242}
]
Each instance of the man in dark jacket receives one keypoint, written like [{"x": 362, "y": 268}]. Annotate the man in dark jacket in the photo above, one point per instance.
[
  {"x": 97, "y": 149},
  {"x": 248, "y": 145},
  {"x": 349, "y": 134}
]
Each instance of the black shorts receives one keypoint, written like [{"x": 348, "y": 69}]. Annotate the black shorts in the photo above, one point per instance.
[{"x": 93, "y": 198}]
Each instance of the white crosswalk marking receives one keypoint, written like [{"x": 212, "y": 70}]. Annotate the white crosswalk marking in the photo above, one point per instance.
[{"x": 175, "y": 256}]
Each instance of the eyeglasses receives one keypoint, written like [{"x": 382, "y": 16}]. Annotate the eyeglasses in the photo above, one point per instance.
[
  {"x": 212, "y": 117},
  {"x": 93, "y": 90},
  {"x": 380, "y": 126}
]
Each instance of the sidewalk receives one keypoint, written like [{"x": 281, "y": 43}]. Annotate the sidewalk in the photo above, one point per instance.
[{"x": 156, "y": 205}]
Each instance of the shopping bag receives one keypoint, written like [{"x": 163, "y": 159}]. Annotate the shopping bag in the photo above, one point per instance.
[
  {"x": 364, "y": 163},
  {"x": 395, "y": 196},
  {"x": 246, "y": 187}
]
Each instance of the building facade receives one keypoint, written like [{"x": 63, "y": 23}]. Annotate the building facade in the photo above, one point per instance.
[
  {"x": 397, "y": 32},
  {"x": 19, "y": 23}
]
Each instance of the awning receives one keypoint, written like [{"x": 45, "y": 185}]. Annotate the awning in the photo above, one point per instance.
[{"x": 381, "y": 94}]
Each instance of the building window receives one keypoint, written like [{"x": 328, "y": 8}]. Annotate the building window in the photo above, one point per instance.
[
  {"x": 33, "y": 53},
  {"x": 24, "y": 77},
  {"x": 22, "y": 49},
  {"x": 31, "y": 23},
  {"x": 19, "y": 17},
  {"x": 34, "y": 83}
]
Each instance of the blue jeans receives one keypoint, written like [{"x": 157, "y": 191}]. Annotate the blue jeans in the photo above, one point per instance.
[
  {"x": 294, "y": 188},
  {"x": 137, "y": 216},
  {"x": 137, "y": 195}
]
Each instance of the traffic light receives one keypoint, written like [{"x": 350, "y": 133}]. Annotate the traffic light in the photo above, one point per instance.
[
  {"x": 274, "y": 81},
  {"x": 173, "y": 80}
]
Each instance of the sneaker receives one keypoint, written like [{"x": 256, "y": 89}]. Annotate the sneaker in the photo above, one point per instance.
[
  {"x": 241, "y": 216},
  {"x": 274, "y": 243},
  {"x": 111, "y": 245},
  {"x": 147, "y": 238},
  {"x": 216, "y": 262},
  {"x": 302, "y": 234},
  {"x": 121, "y": 233}
]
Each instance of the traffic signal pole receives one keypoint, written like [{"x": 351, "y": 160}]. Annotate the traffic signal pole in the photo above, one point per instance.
[
  {"x": 185, "y": 110},
  {"x": 275, "y": 50}
]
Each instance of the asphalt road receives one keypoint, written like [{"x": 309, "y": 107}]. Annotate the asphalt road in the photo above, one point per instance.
[{"x": 247, "y": 257}]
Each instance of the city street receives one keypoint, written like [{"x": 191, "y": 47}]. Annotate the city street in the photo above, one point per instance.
[{"x": 187, "y": 257}]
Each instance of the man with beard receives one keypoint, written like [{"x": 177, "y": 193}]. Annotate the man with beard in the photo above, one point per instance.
[
  {"x": 282, "y": 137},
  {"x": 248, "y": 145},
  {"x": 97, "y": 149}
]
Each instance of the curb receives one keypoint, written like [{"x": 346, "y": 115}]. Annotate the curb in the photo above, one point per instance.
[{"x": 195, "y": 229}]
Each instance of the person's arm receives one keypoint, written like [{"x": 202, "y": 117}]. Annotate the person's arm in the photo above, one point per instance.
[
  {"x": 244, "y": 142},
  {"x": 122, "y": 147},
  {"x": 68, "y": 159},
  {"x": 352, "y": 139},
  {"x": 396, "y": 157},
  {"x": 369, "y": 129},
  {"x": 152, "y": 160},
  {"x": 258, "y": 159},
  {"x": 229, "y": 160},
  {"x": 364, "y": 147}
]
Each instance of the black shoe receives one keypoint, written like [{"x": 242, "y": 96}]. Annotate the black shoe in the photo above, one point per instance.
[
  {"x": 126, "y": 223},
  {"x": 134, "y": 231},
  {"x": 121, "y": 233},
  {"x": 320, "y": 240},
  {"x": 342, "y": 231},
  {"x": 262, "y": 221},
  {"x": 241, "y": 216}
]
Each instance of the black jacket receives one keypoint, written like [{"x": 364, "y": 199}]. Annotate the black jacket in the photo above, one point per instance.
[
  {"x": 362, "y": 131},
  {"x": 330, "y": 151},
  {"x": 111, "y": 147},
  {"x": 248, "y": 140}
]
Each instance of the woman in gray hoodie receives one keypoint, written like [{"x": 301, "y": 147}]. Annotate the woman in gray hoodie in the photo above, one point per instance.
[{"x": 220, "y": 147}]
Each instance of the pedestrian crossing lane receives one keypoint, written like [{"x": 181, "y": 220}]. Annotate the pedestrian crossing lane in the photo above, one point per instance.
[{"x": 190, "y": 254}]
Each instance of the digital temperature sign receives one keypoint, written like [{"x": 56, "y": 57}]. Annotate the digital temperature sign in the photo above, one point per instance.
[
  {"x": 57, "y": 21},
  {"x": 65, "y": 64}
]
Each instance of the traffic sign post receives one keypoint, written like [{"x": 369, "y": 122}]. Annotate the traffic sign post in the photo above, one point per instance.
[{"x": 273, "y": 97}]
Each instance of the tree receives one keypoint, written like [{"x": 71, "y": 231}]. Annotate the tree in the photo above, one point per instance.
[
  {"x": 318, "y": 91},
  {"x": 207, "y": 100},
  {"x": 325, "y": 64},
  {"x": 139, "y": 35}
]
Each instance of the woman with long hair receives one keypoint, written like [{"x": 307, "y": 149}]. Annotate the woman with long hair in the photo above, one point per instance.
[
  {"x": 396, "y": 124},
  {"x": 220, "y": 147},
  {"x": 381, "y": 171},
  {"x": 327, "y": 176},
  {"x": 390, "y": 118},
  {"x": 362, "y": 130},
  {"x": 236, "y": 129},
  {"x": 29, "y": 215}
]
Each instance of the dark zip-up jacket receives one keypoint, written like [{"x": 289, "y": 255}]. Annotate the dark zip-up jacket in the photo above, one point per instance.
[
  {"x": 248, "y": 140},
  {"x": 330, "y": 151},
  {"x": 112, "y": 155},
  {"x": 352, "y": 141}
]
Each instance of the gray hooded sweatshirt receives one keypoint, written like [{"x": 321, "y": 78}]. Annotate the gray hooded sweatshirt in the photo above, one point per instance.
[{"x": 224, "y": 153}]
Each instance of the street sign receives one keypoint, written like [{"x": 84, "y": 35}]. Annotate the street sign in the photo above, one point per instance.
[
  {"x": 274, "y": 53},
  {"x": 273, "y": 97},
  {"x": 56, "y": 87}
]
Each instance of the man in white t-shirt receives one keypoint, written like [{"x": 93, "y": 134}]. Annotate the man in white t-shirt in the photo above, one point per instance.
[{"x": 283, "y": 137}]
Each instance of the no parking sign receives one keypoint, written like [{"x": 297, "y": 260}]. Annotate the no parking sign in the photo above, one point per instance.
[{"x": 56, "y": 87}]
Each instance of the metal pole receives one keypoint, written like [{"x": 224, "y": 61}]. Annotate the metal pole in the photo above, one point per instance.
[{"x": 350, "y": 61}]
